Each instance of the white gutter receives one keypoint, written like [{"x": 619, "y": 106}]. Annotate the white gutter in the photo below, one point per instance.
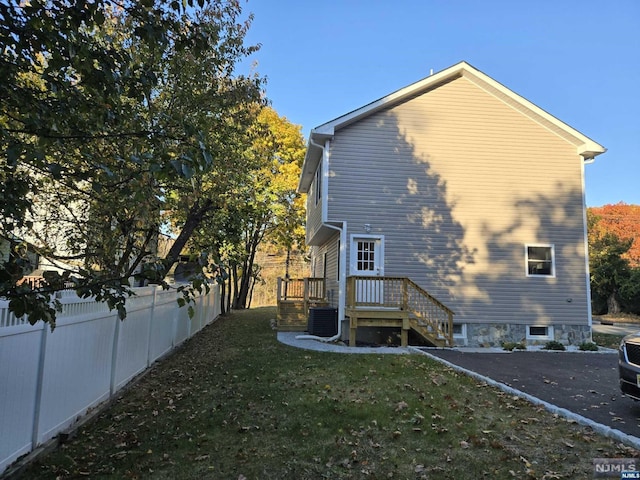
[
  {"x": 587, "y": 161},
  {"x": 343, "y": 250}
]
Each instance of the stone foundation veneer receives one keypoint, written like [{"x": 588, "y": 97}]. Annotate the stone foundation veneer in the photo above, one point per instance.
[{"x": 492, "y": 335}]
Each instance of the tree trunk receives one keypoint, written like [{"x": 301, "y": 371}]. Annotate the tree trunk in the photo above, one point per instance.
[
  {"x": 194, "y": 219},
  {"x": 250, "y": 297},
  {"x": 234, "y": 294},
  {"x": 247, "y": 272},
  {"x": 223, "y": 296},
  {"x": 229, "y": 293},
  {"x": 613, "y": 306},
  {"x": 287, "y": 262}
]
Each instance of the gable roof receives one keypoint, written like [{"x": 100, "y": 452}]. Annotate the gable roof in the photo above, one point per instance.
[{"x": 585, "y": 147}]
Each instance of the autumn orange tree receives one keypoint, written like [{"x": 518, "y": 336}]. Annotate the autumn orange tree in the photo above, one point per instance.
[
  {"x": 623, "y": 221},
  {"x": 614, "y": 258}
]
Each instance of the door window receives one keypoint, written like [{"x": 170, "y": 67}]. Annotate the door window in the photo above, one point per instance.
[{"x": 366, "y": 254}]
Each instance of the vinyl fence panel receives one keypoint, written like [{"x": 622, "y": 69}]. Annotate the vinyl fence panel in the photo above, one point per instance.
[
  {"x": 132, "y": 341},
  {"x": 48, "y": 380},
  {"x": 19, "y": 363},
  {"x": 77, "y": 371}
]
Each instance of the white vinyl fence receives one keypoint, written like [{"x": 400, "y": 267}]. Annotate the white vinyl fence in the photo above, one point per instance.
[{"x": 48, "y": 380}]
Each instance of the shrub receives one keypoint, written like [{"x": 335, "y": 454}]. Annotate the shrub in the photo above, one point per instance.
[
  {"x": 554, "y": 345},
  {"x": 509, "y": 346},
  {"x": 588, "y": 347}
]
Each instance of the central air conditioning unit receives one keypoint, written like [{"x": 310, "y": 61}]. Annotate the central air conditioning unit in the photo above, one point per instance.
[{"x": 323, "y": 321}]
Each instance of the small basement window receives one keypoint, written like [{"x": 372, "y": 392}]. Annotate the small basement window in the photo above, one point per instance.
[
  {"x": 540, "y": 260},
  {"x": 535, "y": 332},
  {"x": 459, "y": 330},
  {"x": 460, "y": 333}
]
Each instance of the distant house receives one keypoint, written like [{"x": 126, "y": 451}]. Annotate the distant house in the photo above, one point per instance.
[
  {"x": 31, "y": 265},
  {"x": 464, "y": 189}
]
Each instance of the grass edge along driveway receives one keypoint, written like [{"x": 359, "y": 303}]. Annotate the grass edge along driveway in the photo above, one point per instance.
[{"x": 234, "y": 403}]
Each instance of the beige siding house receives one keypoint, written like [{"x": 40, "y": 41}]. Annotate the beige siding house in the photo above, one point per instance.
[{"x": 469, "y": 190}]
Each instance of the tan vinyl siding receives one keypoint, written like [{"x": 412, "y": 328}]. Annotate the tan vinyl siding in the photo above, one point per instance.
[
  {"x": 458, "y": 182},
  {"x": 330, "y": 275}
]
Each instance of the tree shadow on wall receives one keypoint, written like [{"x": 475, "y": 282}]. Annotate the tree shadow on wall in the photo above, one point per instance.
[
  {"x": 403, "y": 198},
  {"x": 551, "y": 220}
]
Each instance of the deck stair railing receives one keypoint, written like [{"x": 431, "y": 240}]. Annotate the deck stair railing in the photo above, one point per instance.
[{"x": 427, "y": 315}]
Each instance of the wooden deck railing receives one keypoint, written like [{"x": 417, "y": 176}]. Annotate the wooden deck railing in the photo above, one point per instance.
[
  {"x": 428, "y": 316},
  {"x": 301, "y": 289},
  {"x": 372, "y": 301},
  {"x": 295, "y": 297}
]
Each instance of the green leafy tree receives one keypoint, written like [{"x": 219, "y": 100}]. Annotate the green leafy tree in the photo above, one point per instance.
[
  {"x": 274, "y": 211},
  {"x": 262, "y": 205},
  {"x": 109, "y": 109}
]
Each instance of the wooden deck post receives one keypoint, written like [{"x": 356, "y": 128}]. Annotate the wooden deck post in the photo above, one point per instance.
[
  {"x": 405, "y": 294},
  {"x": 306, "y": 296}
]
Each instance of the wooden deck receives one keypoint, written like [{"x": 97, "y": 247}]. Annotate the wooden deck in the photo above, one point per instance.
[
  {"x": 295, "y": 297},
  {"x": 371, "y": 302}
]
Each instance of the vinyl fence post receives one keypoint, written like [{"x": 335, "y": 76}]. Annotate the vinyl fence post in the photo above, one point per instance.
[
  {"x": 114, "y": 356},
  {"x": 35, "y": 436},
  {"x": 151, "y": 318}
]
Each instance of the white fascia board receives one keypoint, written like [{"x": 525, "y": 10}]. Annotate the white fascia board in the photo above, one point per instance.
[{"x": 315, "y": 146}]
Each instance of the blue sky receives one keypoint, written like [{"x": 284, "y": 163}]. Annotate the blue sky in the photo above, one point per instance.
[{"x": 577, "y": 59}]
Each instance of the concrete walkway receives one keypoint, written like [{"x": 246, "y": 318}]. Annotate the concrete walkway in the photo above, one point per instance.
[{"x": 296, "y": 339}]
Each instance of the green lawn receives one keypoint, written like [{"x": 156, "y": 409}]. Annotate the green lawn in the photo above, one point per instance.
[
  {"x": 607, "y": 340},
  {"x": 233, "y": 403}
]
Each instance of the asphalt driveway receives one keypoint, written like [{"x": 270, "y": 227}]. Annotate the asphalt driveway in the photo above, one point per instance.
[{"x": 585, "y": 383}]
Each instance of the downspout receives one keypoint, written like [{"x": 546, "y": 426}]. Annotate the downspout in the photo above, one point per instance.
[
  {"x": 343, "y": 257},
  {"x": 587, "y": 161}
]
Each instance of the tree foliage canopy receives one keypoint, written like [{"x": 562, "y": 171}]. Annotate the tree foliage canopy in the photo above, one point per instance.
[
  {"x": 622, "y": 220},
  {"x": 108, "y": 110},
  {"x": 264, "y": 206},
  {"x": 614, "y": 279}
]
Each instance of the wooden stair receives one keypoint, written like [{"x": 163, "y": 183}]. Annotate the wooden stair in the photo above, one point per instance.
[
  {"x": 427, "y": 333},
  {"x": 397, "y": 302}
]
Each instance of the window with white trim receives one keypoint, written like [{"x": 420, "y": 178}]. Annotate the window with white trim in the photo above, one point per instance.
[
  {"x": 539, "y": 332},
  {"x": 459, "y": 330},
  {"x": 540, "y": 260}
]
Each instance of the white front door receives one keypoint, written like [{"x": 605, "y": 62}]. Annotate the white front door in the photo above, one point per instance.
[{"x": 367, "y": 259}]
